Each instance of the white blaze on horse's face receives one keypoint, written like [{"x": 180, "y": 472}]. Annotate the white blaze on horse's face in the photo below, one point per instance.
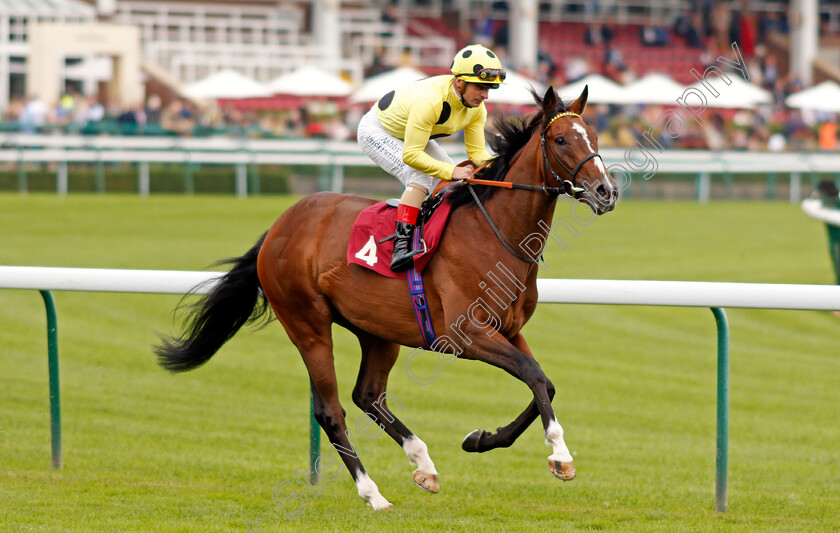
[{"x": 597, "y": 160}]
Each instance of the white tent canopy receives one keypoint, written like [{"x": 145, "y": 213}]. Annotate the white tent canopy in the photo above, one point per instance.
[
  {"x": 227, "y": 84},
  {"x": 310, "y": 81},
  {"x": 515, "y": 90},
  {"x": 740, "y": 94},
  {"x": 375, "y": 87},
  {"x": 822, "y": 97},
  {"x": 653, "y": 88},
  {"x": 601, "y": 90}
]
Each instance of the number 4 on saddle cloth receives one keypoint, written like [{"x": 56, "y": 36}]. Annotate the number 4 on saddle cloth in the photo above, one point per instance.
[{"x": 371, "y": 246}]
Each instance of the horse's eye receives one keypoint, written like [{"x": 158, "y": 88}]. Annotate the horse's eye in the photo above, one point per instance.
[{"x": 560, "y": 140}]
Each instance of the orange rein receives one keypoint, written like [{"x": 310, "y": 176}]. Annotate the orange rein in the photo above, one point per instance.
[{"x": 474, "y": 181}]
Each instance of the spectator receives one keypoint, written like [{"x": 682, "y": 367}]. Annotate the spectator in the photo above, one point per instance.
[
  {"x": 598, "y": 34},
  {"x": 34, "y": 115},
  {"x": 153, "y": 111},
  {"x": 379, "y": 65},
  {"x": 719, "y": 25},
  {"x": 64, "y": 109},
  {"x": 545, "y": 72},
  {"x": 501, "y": 37},
  {"x": 133, "y": 119},
  {"x": 777, "y": 142},
  {"x": 614, "y": 64},
  {"x": 681, "y": 24},
  {"x": 827, "y": 133},
  {"x": 483, "y": 28},
  {"x": 389, "y": 20},
  {"x": 576, "y": 68},
  {"x": 694, "y": 31},
  {"x": 770, "y": 70},
  {"x": 653, "y": 35},
  {"x": 748, "y": 34},
  {"x": 389, "y": 14}
]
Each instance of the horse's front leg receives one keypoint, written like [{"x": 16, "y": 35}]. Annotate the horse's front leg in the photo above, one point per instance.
[
  {"x": 501, "y": 353},
  {"x": 482, "y": 441}
]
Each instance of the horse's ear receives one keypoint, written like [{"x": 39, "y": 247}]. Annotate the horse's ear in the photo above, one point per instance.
[
  {"x": 580, "y": 104},
  {"x": 549, "y": 101}
]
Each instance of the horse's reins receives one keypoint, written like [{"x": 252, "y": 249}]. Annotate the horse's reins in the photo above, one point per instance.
[{"x": 568, "y": 186}]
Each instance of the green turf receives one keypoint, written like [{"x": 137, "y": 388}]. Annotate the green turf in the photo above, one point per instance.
[{"x": 203, "y": 451}]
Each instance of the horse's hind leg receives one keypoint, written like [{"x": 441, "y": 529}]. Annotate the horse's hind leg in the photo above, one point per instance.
[
  {"x": 378, "y": 358},
  {"x": 339, "y": 438},
  {"x": 309, "y": 330}
]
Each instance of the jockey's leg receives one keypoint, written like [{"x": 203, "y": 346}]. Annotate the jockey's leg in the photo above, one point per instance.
[
  {"x": 406, "y": 221},
  {"x": 386, "y": 151}
]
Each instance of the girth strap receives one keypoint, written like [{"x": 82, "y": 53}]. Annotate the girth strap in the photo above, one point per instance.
[{"x": 418, "y": 299}]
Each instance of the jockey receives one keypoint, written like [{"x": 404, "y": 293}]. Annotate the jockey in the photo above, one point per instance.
[{"x": 398, "y": 134}]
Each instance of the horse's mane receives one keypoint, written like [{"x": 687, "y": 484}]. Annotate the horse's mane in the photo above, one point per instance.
[{"x": 513, "y": 134}]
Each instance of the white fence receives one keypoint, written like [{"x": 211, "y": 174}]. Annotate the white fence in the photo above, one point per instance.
[
  {"x": 569, "y": 291},
  {"x": 566, "y": 291},
  {"x": 23, "y": 149}
]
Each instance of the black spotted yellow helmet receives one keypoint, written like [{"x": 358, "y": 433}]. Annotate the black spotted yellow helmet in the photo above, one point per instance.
[{"x": 478, "y": 64}]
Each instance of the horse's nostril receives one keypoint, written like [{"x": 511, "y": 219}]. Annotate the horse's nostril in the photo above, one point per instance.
[{"x": 602, "y": 192}]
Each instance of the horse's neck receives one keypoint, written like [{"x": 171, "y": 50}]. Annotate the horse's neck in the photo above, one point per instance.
[{"x": 523, "y": 215}]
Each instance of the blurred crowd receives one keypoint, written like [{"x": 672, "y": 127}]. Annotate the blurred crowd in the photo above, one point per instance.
[
  {"x": 706, "y": 27},
  {"x": 766, "y": 129},
  {"x": 773, "y": 128},
  {"x": 181, "y": 117}
]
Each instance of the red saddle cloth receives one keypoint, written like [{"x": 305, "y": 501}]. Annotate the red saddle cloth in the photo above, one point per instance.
[{"x": 377, "y": 222}]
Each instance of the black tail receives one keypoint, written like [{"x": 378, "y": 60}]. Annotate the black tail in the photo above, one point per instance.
[{"x": 235, "y": 300}]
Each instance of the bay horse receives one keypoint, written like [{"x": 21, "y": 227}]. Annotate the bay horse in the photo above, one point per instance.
[{"x": 299, "y": 269}]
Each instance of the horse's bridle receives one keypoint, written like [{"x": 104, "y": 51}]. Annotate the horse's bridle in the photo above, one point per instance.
[{"x": 568, "y": 186}]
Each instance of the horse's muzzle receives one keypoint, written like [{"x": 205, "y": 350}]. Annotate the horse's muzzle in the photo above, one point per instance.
[{"x": 601, "y": 199}]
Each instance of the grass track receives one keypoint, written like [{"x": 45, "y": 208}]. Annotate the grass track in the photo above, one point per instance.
[{"x": 202, "y": 451}]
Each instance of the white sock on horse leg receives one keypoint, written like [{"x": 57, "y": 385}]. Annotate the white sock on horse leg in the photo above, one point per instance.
[
  {"x": 369, "y": 492},
  {"x": 418, "y": 454},
  {"x": 554, "y": 438}
]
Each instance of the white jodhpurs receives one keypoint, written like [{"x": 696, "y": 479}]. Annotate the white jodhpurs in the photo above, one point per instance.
[{"x": 386, "y": 151}]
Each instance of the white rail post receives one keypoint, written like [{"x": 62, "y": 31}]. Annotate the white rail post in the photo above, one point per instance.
[
  {"x": 795, "y": 187},
  {"x": 61, "y": 179},
  {"x": 241, "y": 180},
  {"x": 143, "y": 186}
]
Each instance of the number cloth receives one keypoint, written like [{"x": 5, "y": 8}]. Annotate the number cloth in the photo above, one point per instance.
[{"x": 377, "y": 222}]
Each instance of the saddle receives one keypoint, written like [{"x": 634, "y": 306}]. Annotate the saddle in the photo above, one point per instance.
[{"x": 372, "y": 237}]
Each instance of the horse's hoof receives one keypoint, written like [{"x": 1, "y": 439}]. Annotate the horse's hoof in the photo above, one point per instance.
[
  {"x": 564, "y": 471},
  {"x": 427, "y": 482},
  {"x": 389, "y": 507},
  {"x": 470, "y": 442}
]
